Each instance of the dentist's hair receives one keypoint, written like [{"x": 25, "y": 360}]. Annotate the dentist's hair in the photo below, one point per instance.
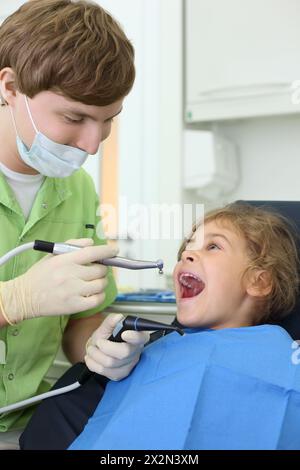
[
  {"x": 74, "y": 48},
  {"x": 272, "y": 246}
]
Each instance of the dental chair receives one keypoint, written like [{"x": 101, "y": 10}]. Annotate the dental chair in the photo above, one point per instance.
[{"x": 290, "y": 210}]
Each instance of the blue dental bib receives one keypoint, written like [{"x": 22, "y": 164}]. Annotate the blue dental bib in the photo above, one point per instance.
[{"x": 210, "y": 389}]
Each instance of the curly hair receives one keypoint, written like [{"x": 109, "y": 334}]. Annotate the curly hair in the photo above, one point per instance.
[
  {"x": 272, "y": 244},
  {"x": 73, "y": 48}
]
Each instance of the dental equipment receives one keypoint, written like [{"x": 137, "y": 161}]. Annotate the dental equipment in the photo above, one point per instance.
[
  {"x": 135, "y": 324},
  {"x": 129, "y": 323},
  {"x": 62, "y": 248}
]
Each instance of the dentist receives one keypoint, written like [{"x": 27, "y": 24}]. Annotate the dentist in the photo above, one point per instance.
[{"x": 65, "y": 68}]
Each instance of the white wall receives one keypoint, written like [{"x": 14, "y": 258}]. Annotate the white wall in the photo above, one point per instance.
[
  {"x": 8, "y": 7},
  {"x": 269, "y": 152},
  {"x": 151, "y": 123},
  {"x": 138, "y": 121},
  {"x": 268, "y": 147},
  {"x": 269, "y": 159}
]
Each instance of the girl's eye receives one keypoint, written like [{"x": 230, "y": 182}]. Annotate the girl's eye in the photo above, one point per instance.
[{"x": 212, "y": 246}]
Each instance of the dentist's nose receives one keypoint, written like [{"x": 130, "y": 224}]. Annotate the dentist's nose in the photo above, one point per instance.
[
  {"x": 90, "y": 142},
  {"x": 90, "y": 147}
]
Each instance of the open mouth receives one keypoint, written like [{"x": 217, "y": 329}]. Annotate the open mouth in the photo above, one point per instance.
[{"x": 190, "y": 285}]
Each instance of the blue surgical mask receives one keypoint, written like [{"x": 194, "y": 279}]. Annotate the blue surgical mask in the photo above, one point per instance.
[{"x": 48, "y": 157}]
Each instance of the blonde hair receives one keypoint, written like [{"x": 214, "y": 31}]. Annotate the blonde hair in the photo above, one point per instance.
[
  {"x": 74, "y": 48},
  {"x": 272, "y": 246}
]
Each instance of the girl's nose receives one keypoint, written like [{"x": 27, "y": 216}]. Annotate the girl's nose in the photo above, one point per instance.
[{"x": 188, "y": 256}]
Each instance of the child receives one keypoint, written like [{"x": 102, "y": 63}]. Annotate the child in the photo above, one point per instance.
[{"x": 229, "y": 383}]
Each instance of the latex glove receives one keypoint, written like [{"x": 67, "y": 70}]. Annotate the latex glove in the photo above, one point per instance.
[
  {"x": 114, "y": 360},
  {"x": 58, "y": 285}
]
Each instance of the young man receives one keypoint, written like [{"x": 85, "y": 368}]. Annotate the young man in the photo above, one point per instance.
[
  {"x": 229, "y": 382},
  {"x": 65, "y": 68}
]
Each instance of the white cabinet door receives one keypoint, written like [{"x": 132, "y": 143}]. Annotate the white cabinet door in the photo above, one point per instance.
[{"x": 241, "y": 58}]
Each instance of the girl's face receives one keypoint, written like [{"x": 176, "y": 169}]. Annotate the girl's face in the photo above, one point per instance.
[{"x": 208, "y": 281}]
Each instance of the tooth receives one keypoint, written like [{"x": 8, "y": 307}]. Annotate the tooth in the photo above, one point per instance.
[{"x": 187, "y": 275}]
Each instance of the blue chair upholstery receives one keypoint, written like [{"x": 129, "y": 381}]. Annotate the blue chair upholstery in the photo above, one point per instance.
[{"x": 290, "y": 210}]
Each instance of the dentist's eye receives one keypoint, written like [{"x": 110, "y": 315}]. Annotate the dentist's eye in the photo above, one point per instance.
[{"x": 73, "y": 121}]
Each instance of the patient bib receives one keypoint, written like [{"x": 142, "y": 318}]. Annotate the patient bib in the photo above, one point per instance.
[{"x": 210, "y": 389}]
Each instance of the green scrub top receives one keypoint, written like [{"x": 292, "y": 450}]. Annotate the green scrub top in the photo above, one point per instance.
[{"x": 63, "y": 209}]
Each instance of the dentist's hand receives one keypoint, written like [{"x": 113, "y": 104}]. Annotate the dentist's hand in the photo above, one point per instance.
[
  {"x": 58, "y": 285},
  {"x": 114, "y": 360}
]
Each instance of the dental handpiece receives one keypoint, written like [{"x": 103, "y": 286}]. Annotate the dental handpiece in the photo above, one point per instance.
[
  {"x": 134, "y": 324},
  {"x": 117, "y": 261}
]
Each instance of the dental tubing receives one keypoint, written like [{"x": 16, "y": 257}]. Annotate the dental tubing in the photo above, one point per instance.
[{"x": 132, "y": 322}]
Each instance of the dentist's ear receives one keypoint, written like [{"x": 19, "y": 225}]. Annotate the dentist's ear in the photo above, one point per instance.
[
  {"x": 7, "y": 86},
  {"x": 260, "y": 284}
]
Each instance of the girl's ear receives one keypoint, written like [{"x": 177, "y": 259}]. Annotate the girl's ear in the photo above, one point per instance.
[{"x": 260, "y": 284}]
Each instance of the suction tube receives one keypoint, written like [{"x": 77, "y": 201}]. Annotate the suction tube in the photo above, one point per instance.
[
  {"x": 141, "y": 324},
  {"x": 131, "y": 323}
]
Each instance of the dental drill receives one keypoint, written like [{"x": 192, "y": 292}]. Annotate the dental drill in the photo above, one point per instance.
[
  {"x": 129, "y": 323},
  {"x": 62, "y": 248}
]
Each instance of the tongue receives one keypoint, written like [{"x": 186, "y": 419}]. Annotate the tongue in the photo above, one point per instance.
[{"x": 195, "y": 289}]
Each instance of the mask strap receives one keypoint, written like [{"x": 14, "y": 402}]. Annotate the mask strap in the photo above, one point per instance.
[
  {"x": 13, "y": 120},
  {"x": 2, "y": 100},
  {"x": 29, "y": 112}
]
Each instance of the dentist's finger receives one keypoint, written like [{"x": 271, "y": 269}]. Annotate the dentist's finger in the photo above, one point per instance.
[{"x": 136, "y": 337}]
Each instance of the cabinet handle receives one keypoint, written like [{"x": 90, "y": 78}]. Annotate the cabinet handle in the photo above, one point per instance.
[{"x": 251, "y": 89}]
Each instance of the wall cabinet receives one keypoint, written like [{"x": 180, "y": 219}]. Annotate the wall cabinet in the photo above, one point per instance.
[{"x": 241, "y": 58}]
